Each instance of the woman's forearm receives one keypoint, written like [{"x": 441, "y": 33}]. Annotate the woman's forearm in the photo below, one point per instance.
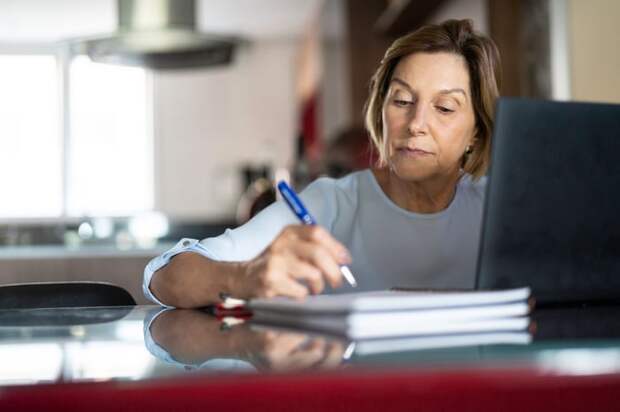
[
  {"x": 300, "y": 260},
  {"x": 191, "y": 280}
]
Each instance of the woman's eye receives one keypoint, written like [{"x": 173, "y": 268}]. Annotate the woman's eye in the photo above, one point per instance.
[
  {"x": 401, "y": 103},
  {"x": 444, "y": 110}
]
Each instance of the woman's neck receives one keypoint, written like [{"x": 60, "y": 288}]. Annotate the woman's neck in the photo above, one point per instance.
[{"x": 420, "y": 197}]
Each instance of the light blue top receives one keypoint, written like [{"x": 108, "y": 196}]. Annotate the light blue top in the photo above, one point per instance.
[{"x": 390, "y": 246}]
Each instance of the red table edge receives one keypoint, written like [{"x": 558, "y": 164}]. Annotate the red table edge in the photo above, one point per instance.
[{"x": 504, "y": 389}]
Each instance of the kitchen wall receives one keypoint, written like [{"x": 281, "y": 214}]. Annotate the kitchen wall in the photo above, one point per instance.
[
  {"x": 594, "y": 57},
  {"x": 477, "y": 10},
  {"x": 583, "y": 48},
  {"x": 209, "y": 123},
  {"x": 336, "y": 113}
]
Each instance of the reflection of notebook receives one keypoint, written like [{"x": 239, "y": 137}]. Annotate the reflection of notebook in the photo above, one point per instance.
[
  {"x": 389, "y": 313},
  {"x": 402, "y": 344}
]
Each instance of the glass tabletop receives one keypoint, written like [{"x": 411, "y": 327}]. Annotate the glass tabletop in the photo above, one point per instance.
[{"x": 146, "y": 342}]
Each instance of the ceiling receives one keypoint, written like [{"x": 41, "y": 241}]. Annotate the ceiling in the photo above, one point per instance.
[{"x": 45, "y": 21}]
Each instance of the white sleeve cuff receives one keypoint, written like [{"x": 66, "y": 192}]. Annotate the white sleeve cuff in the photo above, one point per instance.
[{"x": 184, "y": 245}]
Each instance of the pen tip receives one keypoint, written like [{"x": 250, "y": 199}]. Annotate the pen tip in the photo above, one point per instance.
[{"x": 346, "y": 272}]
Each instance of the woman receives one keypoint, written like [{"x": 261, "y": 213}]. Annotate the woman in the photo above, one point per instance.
[{"x": 414, "y": 220}]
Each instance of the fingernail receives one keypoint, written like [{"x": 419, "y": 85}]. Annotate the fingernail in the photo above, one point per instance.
[{"x": 344, "y": 257}]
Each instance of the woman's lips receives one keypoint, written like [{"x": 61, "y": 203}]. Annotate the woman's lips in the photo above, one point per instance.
[{"x": 413, "y": 151}]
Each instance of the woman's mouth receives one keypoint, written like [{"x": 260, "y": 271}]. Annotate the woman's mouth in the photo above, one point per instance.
[{"x": 414, "y": 152}]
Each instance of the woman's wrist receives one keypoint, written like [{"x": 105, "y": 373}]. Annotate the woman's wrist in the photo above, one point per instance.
[{"x": 236, "y": 284}]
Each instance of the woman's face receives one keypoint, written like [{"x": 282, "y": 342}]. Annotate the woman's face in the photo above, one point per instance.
[{"x": 428, "y": 117}]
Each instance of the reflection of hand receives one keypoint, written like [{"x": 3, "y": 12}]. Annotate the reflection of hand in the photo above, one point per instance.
[
  {"x": 299, "y": 261},
  {"x": 286, "y": 351},
  {"x": 194, "y": 337}
]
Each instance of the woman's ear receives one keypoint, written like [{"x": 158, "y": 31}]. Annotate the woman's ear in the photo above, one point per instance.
[
  {"x": 474, "y": 138},
  {"x": 471, "y": 144}
]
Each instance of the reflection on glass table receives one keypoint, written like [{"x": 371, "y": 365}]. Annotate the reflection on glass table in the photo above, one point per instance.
[
  {"x": 146, "y": 342},
  {"x": 197, "y": 339},
  {"x": 58, "y": 345}
]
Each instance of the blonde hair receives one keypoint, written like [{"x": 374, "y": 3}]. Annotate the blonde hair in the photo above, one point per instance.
[{"x": 483, "y": 63}]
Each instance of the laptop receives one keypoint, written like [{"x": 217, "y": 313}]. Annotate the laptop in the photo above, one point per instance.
[{"x": 552, "y": 211}]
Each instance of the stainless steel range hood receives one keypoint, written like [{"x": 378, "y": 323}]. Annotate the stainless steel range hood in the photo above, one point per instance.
[{"x": 159, "y": 34}]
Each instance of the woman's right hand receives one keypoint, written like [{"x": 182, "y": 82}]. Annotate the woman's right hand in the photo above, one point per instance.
[
  {"x": 300, "y": 261},
  {"x": 284, "y": 350}
]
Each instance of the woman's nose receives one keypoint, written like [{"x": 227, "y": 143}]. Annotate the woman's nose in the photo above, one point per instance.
[{"x": 417, "y": 122}]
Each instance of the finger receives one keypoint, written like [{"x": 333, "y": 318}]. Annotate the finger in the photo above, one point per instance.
[
  {"x": 306, "y": 358},
  {"x": 295, "y": 234},
  {"x": 288, "y": 343},
  {"x": 312, "y": 276},
  {"x": 317, "y": 234},
  {"x": 291, "y": 288},
  {"x": 319, "y": 257},
  {"x": 272, "y": 278},
  {"x": 333, "y": 354}
]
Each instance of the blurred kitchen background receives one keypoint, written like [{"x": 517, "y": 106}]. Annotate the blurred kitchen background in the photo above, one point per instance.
[{"x": 126, "y": 125}]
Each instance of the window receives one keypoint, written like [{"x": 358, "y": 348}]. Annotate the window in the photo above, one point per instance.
[
  {"x": 30, "y": 137},
  {"x": 110, "y": 158},
  {"x": 100, "y": 164}
]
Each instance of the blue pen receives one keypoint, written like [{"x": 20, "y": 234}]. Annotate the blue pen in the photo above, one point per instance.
[{"x": 294, "y": 202}]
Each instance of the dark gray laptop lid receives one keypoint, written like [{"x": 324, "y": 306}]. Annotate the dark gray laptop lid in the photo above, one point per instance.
[{"x": 552, "y": 212}]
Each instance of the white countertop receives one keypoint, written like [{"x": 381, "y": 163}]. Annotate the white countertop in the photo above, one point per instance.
[{"x": 82, "y": 251}]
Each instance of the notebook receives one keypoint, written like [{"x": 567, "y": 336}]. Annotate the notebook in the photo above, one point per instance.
[
  {"x": 370, "y": 315},
  {"x": 389, "y": 300}
]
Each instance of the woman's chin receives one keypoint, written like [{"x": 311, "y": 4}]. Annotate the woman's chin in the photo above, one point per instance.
[{"x": 412, "y": 172}]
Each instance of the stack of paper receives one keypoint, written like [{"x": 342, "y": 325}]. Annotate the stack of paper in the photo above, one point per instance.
[{"x": 386, "y": 314}]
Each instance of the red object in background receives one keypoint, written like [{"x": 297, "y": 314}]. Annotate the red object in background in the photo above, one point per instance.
[
  {"x": 509, "y": 389},
  {"x": 350, "y": 150},
  {"x": 309, "y": 128}
]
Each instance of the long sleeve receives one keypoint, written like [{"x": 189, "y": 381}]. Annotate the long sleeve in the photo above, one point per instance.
[{"x": 250, "y": 239}]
